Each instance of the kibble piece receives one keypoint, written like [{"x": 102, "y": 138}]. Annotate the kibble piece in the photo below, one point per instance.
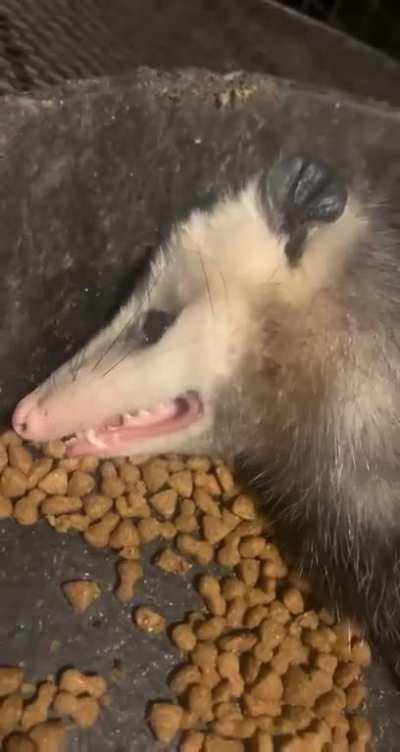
[
  {"x": 232, "y": 588},
  {"x": 19, "y": 743},
  {"x": 192, "y": 742},
  {"x": 206, "y": 503},
  {"x": 49, "y": 737},
  {"x": 210, "y": 629},
  {"x": 20, "y": 458},
  {"x": 327, "y": 662},
  {"x": 321, "y": 639},
  {"x": 10, "y": 714},
  {"x": 77, "y": 683},
  {"x": 149, "y": 620},
  {"x": 182, "y": 482},
  {"x": 129, "y": 572},
  {"x": 208, "y": 482},
  {"x": 225, "y": 479},
  {"x": 125, "y": 534},
  {"x": 228, "y": 555},
  {"x": 244, "y": 507},
  {"x": 148, "y": 529},
  {"x": 81, "y": 594},
  {"x": 293, "y": 601},
  {"x": 55, "y": 449},
  {"x": 55, "y": 483},
  {"x": 184, "y": 637},
  {"x": 155, "y": 475},
  {"x": 164, "y": 502},
  {"x": 98, "y": 534},
  {"x": 133, "y": 505},
  {"x": 84, "y": 711},
  {"x": 129, "y": 552},
  {"x": 3, "y": 457},
  {"x": 355, "y": 696},
  {"x": 255, "y": 616},
  {"x": 302, "y": 688},
  {"x": 37, "y": 710},
  {"x": 199, "y": 701},
  {"x": 229, "y": 668},
  {"x": 69, "y": 464},
  {"x": 6, "y": 508},
  {"x": 165, "y": 720},
  {"x": 215, "y": 743},
  {"x": 64, "y": 522},
  {"x": 251, "y": 546},
  {"x": 214, "y": 529},
  {"x": 361, "y": 652},
  {"x": 345, "y": 674},
  {"x": 262, "y": 742},
  {"x": 112, "y": 486},
  {"x": 205, "y": 656},
  {"x": 13, "y": 483},
  {"x": 184, "y": 677},
  {"x": 360, "y": 729},
  {"x": 54, "y": 505},
  {"x": 250, "y": 668},
  {"x": 331, "y": 702},
  {"x": 171, "y": 562},
  {"x": 11, "y": 678},
  {"x": 80, "y": 484},
  {"x": 200, "y": 551},
  {"x": 239, "y": 642},
  {"x": 210, "y": 591},
  {"x": 97, "y": 505},
  {"x": 199, "y": 463},
  {"x": 249, "y": 571},
  {"x": 235, "y": 612},
  {"x": 26, "y": 509},
  {"x": 129, "y": 473}
]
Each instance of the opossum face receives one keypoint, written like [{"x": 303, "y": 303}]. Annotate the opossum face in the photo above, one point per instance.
[{"x": 167, "y": 374}]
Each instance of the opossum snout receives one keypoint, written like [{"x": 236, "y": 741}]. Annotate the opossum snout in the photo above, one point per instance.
[{"x": 29, "y": 419}]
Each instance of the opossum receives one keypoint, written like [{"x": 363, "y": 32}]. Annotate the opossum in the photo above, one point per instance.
[{"x": 266, "y": 331}]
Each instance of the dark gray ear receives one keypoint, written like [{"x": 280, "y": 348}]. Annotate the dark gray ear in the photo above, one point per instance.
[{"x": 299, "y": 192}]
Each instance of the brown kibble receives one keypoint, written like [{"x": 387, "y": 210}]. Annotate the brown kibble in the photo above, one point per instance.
[
  {"x": 55, "y": 483},
  {"x": 3, "y": 457},
  {"x": 214, "y": 529},
  {"x": 13, "y": 483},
  {"x": 184, "y": 677},
  {"x": 268, "y": 687},
  {"x": 148, "y": 529},
  {"x": 55, "y": 449},
  {"x": 216, "y": 743},
  {"x": 165, "y": 720},
  {"x": 328, "y": 663},
  {"x": 361, "y": 652},
  {"x": 112, "y": 486},
  {"x": 208, "y": 482},
  {"x": 355, "y": 696},
  {"x": 255, "y": 616},
  {"x": 274, "y": 567},
  {"x": 6, "y": 508},
  {"x": 36, "y": 711},
  {"x": 250, "y": 668},
  {"x": 155, "y": 475},
  {"x": 77, "y": 683},
  {"x": 49, "y": 737},
  {"x": 228, "y": 555},
  {"x": 345, "y": 674},
  {"x": 200, "y": 551},
  {"x": 244, "y": 507},
  {"x": 39, "y": 470},
  {"x": 98, "y": 534},
  {"x": 293, "y": 600},
  {"x": 302, "y": 688},
  {"x": 262, "y": 742},
  {"x": 164, "y": 502},
  {"x": 206, "y": 503},
  {"x": 26, "y": 509},
  {"x": 11, "y": 678},
  {"x": 251, "y": 546},
  {"x": 69, "y": 464},
  {"x": 199, "y": 701},
  {"x": 225, "y": 479},
  {"x": 321, "y": 639},
  {"x": 235, "y": 613},
  {"x": 129, "y": 473},
  {"x": 20, "y": 458},
  {"x": 149, "y": 620},
  {"x": 182, "y": 482},
  {"x": 129, "y": 572},
  {"x": 10, "y": 714},
  {"x": 331, "y": 702},
  {"x": 171, "y": 562},
  {"x": 192, "y": 742},
  {"x": 239, "y": 642},
  {"x": 210, "y": 629},
  {"x": 19, "y": 743},
  {"x": 202, "y": 464},
  {"x": 125, "y": 534},
  {"x": 229, "y": 668},
  {"x": 97, "y": 505},
  {"x": 184, "y": 637},
  {"x": 80, "y": 484},
  {"x": 205, "y": 655},
  {"x": 232, "y": 588},
  {"x": 210, "y": 591},
  {"x": 129, "y": 552},
  {"x": 249, "y": 571},
  {"x": 133, "y": 505},
  {"x": 81, "y": 594},
  {"x": 360, "y": 729},
  {"x": 55, "y": 505},
  {"x": 65, "y": 522}
]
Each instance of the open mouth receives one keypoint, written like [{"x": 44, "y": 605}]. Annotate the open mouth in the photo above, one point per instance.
[{"x": 161, "y": 419}]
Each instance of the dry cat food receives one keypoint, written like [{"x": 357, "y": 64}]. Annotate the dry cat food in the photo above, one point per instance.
[
  {"x": 263, "y": 668},
  {"x": 26, "y": 711}
]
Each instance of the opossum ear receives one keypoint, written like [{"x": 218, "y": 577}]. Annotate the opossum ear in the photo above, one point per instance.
[{"x": 299, "y": 193}]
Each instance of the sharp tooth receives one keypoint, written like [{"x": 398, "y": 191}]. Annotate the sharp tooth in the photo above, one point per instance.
[
  {"x": 91, "y": 436},
  {"x": 144, "y": 413}
]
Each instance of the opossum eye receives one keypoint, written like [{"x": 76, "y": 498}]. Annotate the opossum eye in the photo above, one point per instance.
[
  {"x": 155, "y": 325},
  {"x": 300, "y": 192}
]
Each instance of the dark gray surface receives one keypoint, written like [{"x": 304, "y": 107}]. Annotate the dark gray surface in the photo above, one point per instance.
[
  {"x": 43, "y": 42},
  {"x": 90, "y": 177}
]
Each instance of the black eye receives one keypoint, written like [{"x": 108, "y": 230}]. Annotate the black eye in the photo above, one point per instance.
[{"x": 155, "y": 325}]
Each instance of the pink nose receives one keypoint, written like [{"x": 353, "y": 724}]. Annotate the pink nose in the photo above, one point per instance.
[{"x": 29, "y": 420}]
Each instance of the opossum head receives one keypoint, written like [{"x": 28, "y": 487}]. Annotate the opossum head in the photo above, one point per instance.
[{"x": 238, "y": 299}]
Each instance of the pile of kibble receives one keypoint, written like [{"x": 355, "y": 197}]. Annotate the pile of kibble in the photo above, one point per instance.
[{"x": 264, "y": 668}]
